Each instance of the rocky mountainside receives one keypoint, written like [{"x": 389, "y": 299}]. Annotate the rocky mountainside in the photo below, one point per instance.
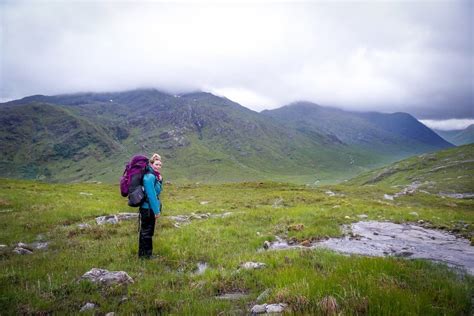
[
  {"x": 202, "y": 137},
  {"x": 39, "y": 140},
  {"x": 458, "y": 137}
]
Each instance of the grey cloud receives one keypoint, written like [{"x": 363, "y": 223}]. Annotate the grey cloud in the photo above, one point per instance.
[{"x": 415, "y": 57}]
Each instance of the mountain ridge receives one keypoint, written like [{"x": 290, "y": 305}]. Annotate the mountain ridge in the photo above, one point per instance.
[
  {"x": 458, "y": 137},
  {"x": 203, "y": 136},
  {"x": 366, "y": 129}
]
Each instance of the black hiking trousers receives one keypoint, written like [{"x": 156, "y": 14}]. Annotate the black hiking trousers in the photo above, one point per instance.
[{"x": 147, "y": 229}]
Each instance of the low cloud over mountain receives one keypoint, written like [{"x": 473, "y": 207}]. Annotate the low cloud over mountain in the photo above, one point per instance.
[{"x": 415, "y": 57}]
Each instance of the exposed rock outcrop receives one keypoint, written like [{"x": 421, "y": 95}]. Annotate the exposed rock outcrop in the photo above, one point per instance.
[{"x": 105, "y": 277}]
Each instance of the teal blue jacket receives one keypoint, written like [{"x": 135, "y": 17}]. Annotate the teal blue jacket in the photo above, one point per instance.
[{"x": 152, "y": 190}]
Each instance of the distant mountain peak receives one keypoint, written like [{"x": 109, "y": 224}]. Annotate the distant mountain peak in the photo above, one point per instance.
[
  {"x": 374, "y": 130},
  {"x": 459, "y": 137}
]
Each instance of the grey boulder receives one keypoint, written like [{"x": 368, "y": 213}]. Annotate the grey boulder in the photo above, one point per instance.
[
  {"x": 105, "y": 277},
  {"x": 276, "y": 308},
  {"x": 87, "y": 307},
  {"x": 268, "y": 308},
  {"x": 108, "y": 219},
  {"x": 259, "y": 309},
  {"x": 252, "y": 265}
]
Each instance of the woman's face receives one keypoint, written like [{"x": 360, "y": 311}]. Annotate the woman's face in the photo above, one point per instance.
[{"x": 156, "y": 165}]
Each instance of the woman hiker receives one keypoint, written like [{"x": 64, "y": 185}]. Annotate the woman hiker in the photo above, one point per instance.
[{"x": 150, "y": 210}]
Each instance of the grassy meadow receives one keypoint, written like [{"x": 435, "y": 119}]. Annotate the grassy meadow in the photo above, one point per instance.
[{"x": 47, "y": 281}]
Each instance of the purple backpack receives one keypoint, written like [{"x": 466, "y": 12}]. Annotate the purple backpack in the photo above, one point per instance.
[{"x": 132, "y": 180}]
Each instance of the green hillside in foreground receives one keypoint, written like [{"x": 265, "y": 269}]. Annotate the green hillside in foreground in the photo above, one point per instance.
[
  {"x": 447, "y": 171},
  {"x": 48, "y": 281}
]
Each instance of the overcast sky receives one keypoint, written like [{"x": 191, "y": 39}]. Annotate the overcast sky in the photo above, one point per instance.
[{"x": 411, "y": 56}]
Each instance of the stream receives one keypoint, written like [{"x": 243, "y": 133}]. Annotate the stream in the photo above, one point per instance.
[{"x": 373, "y": 238}]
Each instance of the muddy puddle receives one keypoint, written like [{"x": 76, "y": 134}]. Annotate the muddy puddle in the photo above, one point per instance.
[{"x": 372, "y": 238}]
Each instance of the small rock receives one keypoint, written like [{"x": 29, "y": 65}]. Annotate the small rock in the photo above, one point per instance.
[
  {"x": 23, "y": 245},
  {"x": 110, "y": 314},
  {"x": 413, "y": 213},
  {"x": 126, "y": 216},
  {"x": 266, "y": 244},
  {"x": 3, "y": 246},
  {"x": 85, "y": 193},
  {"x": 83, "y": 225},
  {"x": 179, "y": 218},
  {"x": 388, "y": 197},
  {"x": 336, "y": 206},
  {"x": 253, "y": 265},
  {"x": 106, "y": 277},
  {"x": 109, "y": 219},
  {"x": 306, "y": 243},
  {"x": 330, "y": 193},
  {"x": 421, "y": 221},
  {"x": 362, "y": 216},
  {"x": 328, "y": 305},
  {"x": 22, "y": 251},
  {"x": 347, "y": 217},
  {"x": 275, "y": 308},
  {"x": 263, "y": 296},
  {"x": 201, "y": 268},
  {"x": 259, "y": 309},
  {"x": 204, "y": 202},
  {"x": 88, "y": 306}
]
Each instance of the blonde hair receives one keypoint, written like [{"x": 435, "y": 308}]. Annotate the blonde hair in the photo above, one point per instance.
[{"x": 155, "y": 157}]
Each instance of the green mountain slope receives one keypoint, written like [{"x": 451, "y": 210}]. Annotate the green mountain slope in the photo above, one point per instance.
[
  {"x": 202, "y": 138},
  {"x": 394, "y": 136},
  {"x": 44, "y": 141},
  {"x": 449, "y": 171},
  {"x": 459, "y": 137}
]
